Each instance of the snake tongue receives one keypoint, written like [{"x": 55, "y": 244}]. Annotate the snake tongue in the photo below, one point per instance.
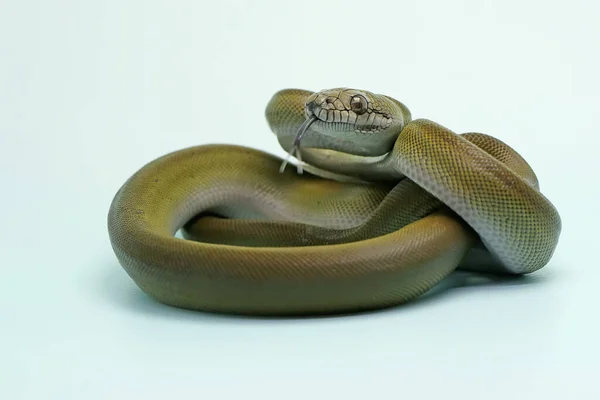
[{"x": 295, "y": 149}]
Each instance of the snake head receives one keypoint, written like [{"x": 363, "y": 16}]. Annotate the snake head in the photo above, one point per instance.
[
  {"x": 353, "y": 121},
  {"x": 345, "y": 112}
]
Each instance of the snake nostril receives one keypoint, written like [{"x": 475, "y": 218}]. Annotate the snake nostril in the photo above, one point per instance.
[{"x": 310, "y": 107}]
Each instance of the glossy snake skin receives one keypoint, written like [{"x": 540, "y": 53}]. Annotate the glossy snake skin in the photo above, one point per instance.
[{"x": 379, "y": 210}]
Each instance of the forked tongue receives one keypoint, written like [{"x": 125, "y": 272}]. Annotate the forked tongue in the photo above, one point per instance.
[{"x": 295, "y": 149}]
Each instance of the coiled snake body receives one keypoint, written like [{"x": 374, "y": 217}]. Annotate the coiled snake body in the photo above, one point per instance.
[{"x": 388, "y": 206}]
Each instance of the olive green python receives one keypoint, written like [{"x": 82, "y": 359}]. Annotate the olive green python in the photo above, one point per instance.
[{"x": 378, "y": 210}]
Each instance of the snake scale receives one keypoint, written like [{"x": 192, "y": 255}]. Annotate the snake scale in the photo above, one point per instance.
[{"x": 378, "y": 209}]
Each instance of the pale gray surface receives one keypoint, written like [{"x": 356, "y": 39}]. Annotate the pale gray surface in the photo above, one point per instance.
[{"x": 90, "y": 91}]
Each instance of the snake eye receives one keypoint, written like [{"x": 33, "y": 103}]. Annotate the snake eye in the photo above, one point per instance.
[{"x": 358, "y": 104}]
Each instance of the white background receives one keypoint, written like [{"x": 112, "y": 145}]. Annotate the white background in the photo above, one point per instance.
[{"x": 92, "y": 90}]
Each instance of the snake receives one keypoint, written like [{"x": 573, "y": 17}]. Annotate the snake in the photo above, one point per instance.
[{"x": 374, "y": 210}]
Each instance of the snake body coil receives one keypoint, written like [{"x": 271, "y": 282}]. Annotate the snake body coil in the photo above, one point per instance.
[{"x": 388, "y": 208}]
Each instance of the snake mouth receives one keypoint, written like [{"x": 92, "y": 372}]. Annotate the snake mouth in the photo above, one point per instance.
[
  {"x": 334, "y": 122},
  {"x": 323, "y": 126}
]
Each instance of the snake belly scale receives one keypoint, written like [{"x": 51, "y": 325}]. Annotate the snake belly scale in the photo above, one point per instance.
[{"x": 379, "y": 209}]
